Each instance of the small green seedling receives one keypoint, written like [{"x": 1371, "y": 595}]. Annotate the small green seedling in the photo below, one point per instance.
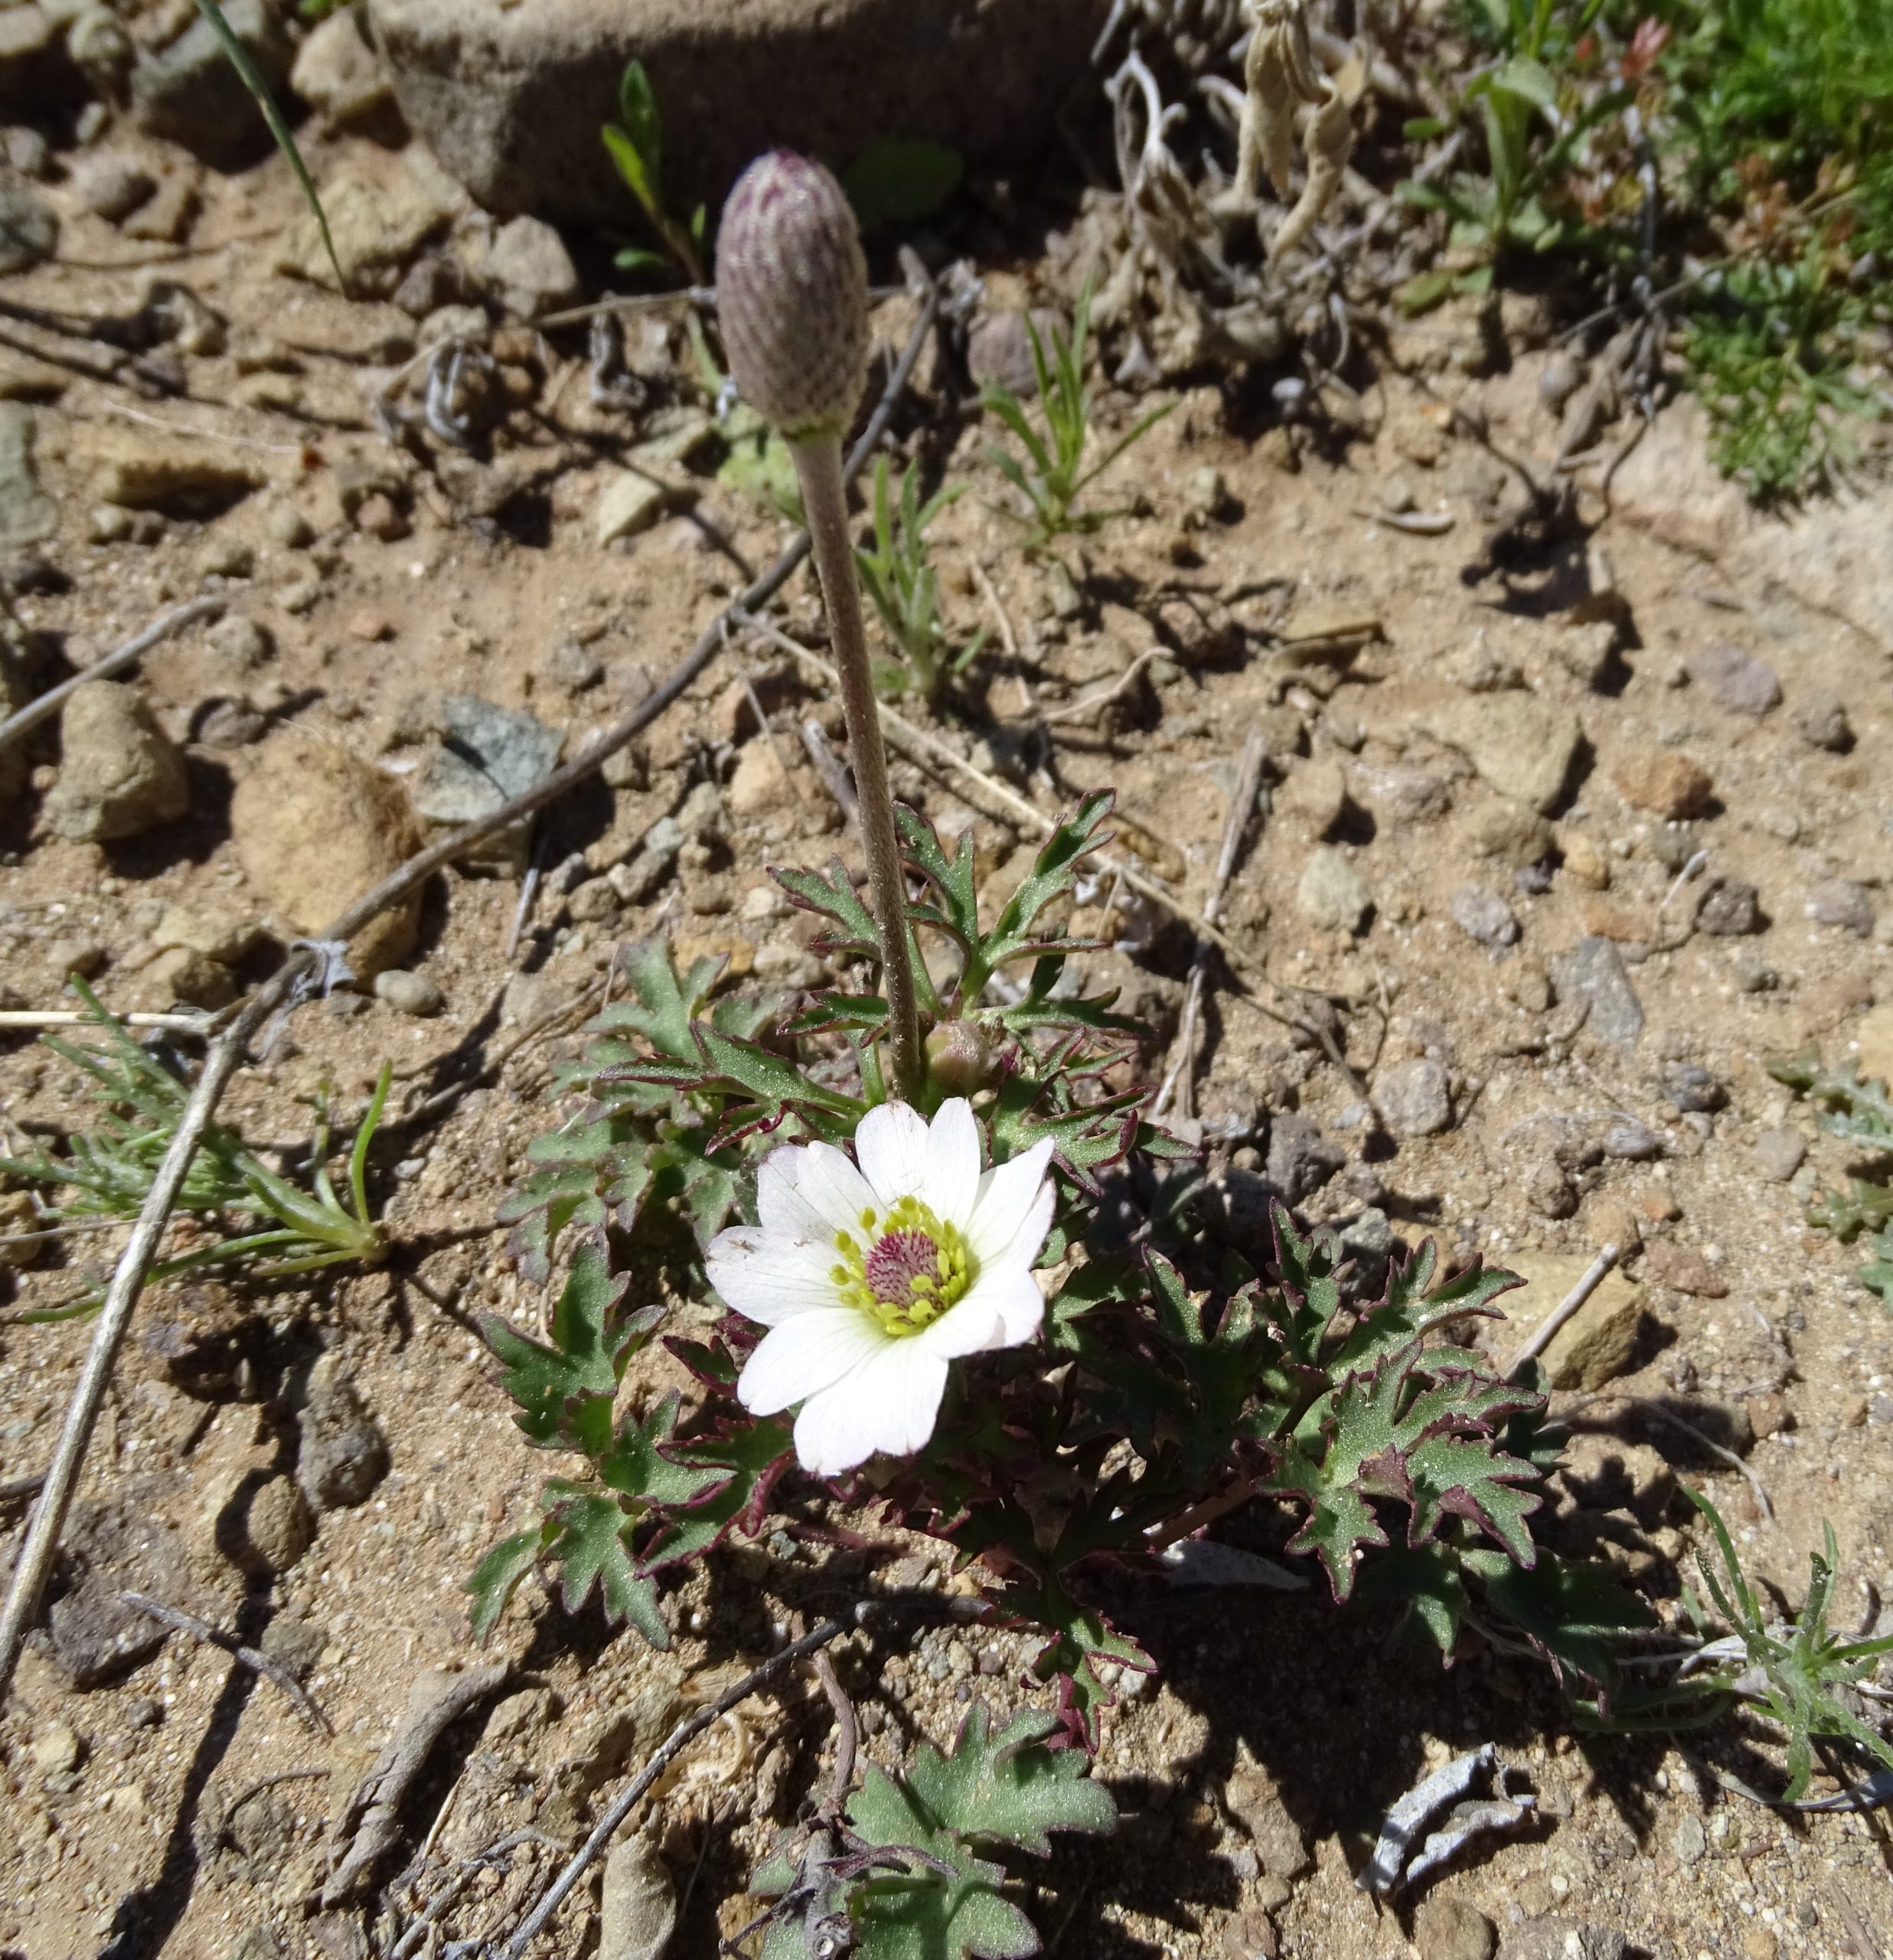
[
  {"x": 905, "y": 588},
  {"x": 636, "y": 142},
  {"x": 1052, "y": 476},
  {"x": 287, "y": 1229}
]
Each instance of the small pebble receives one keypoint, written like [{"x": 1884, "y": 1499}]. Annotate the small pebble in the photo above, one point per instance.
[
  {"x": 1843, "y": 904},
  {"x": 409, "y": 993},
  {"x": 369, "y": 625},
  {"x": 1690, "y": 1089},
  {"x": 1778, "y": 1154},
  {"x": 240, "y": 641}
]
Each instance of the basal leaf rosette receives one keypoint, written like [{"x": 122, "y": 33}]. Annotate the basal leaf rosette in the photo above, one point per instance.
[{"x": 872, "y": 1274}]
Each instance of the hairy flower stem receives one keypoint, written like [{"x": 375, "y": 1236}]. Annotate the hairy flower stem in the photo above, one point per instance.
[{"x": 825, "y": 501}]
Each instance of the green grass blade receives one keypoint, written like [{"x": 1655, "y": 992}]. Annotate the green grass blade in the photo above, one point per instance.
[{"x": 252, "y": 81}]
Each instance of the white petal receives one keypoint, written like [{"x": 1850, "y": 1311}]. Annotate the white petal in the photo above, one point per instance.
[
  {"x": 806, "y": 1354},
  {"x": 890, "y": 1404},
  {"x": 970, "y": 1327},
  {"x": 767, "y": 1277},
  {"x": 892, "y": 1147},
  {"x": 811, "y": 1191},
  {"x": 952, "y": 1170},
  {"x": 1013, "y": 1212},
  {"x": 1010, "y": 1295}
]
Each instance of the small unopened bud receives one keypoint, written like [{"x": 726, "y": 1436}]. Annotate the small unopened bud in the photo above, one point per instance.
[
  {"x": 958, "y": 1058},
  {"x": 792, "y": 296}
]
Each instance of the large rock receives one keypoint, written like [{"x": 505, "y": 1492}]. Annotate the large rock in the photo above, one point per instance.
[
  {"x": 119, "y": 772},
  {"x": 1831, "y": 554},
  {"x": 1525, "y": 747},
  {"x": 193, "y": 95},
  {"x": 511, "y": 97},
  {"x": 315, "y": 829},
  {"x": 1598, "y": 1343}
]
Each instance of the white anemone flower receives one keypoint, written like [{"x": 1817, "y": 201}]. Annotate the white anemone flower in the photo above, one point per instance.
[{"x": 871, "y": 1279}]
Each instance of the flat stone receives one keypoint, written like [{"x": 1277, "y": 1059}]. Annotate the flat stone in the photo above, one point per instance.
[
  {"x": 1593, "y": 972},
  {"x": 1729, "y": 909},
  {"x": 1316, "y": 792},
  {"x": 144, "y": 469},
  {"x": 112, "y": 1547},
  {"x": 1332, "y": 894},
  {"x": 119, "y": 773},
  {"x": 1414, "y": 1098},
  {"x": 28, "y": 515},
  {"x": 313, "y": 828},
  {"x": 1524, "y": 747},
  {"x": 510, "y": 98},
  {"x": 181, "y": 977},
  {"x": 1779, "y": 1153},
  {"x": 1554, "y": 1939},
  {"x": 1598, "y": 1343},
  {"x": 1481, "y": 914},
  {"x": 379, "y": 222},
  {"x": 629, "y": 505},
  {"x": 1736, "y": 680},
  {"x": 1281, "y": 1845},
  {"x": 223, "y": 936},
  {"x": 488, "y": 756}
]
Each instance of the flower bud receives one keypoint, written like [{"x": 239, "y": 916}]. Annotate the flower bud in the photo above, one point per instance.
[
  {"x": 792, "y": 296},
  {"x": 958, "y": 1057}
]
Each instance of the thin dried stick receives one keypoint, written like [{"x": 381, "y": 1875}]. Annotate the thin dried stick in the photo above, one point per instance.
[
  {"x": 1074, "y": 710},
  {"x": 28, "y": 1020},
  {"x": 847, "y": 1736},
  {"x": 35, "y": 1561},
  {"x": 180, "y": 1621},
  {"x": 997, "y": 605},
  {"x": 1542, "y": 1336},
  {"x": 828, "y": 767},
  {"x": 627, "y": 1800},
  {"x": 42, "y": 709},
  {"x": 1248, "y": 786},
  {"x": 17, "y": 1490}
]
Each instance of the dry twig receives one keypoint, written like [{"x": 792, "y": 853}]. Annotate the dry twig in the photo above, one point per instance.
[
  {"x": 180, "y": 1621},
  {"x": 1542, "y": 1336},
  {"x": 44, "y": 706}
]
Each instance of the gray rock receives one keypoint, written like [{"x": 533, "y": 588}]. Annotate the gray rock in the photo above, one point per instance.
[
  {"x": 488, "y": 755},
  {"x": 266, "y": 1533},
  {"x": 296, "y": 1642},
  {"x": 1843, "y": 904},
  {"x": 573, "y": 666},
  {"x": 511, "y": 98},
  {"x": 191, "y": 93},
  {"x": 628, "y": 506},
  {"x": 1480, "y": 913},
  {"x": 1414, "y": 1098},
  {"x": 119, "y": 773},
  {"x": 1779, "y": 1155},
  {"x": 112, "y": 183},
  {"x": 999, "y": 349},
  {"x": 529, "y": 269},
  {"x": 1332, "y": 894},
  {"x": 1593, "y": 972},
  {"x": 1281, "y": 1845},
  {"x": 1822, "y": 722},
  {"x": 1690, "y": 1089},
  {"x": 240, "y": 641},
  {"x": 1554, "y": 1939},
  {"x": 655, "y": 858},
  {"x": 337, "y": 72},
  {"x": 1688, "y": 1839},
  {"x": 1736, "y": 680},
  {"x": 1729, "y": 908},
  {"x": 29, "y": 231},
  {"x": 1631, "y": 1142},
  {"x": 1450, "y": 1929},
  {"x": 1525, "y": 747},
  {"x": 343, "y": 1455},
  {"x": 28, "y": 515},
  {"x": 1300, "y": 1160},
  {"x": 638, "y": 1910},
  {"x": 409, "y": 993},
  {"x": 1369, "y": 1238},
  {"x": 113, "y": 1547},
  {"x": 1236, "y": 1208},
  {"x": 1673, "y": 845}
]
